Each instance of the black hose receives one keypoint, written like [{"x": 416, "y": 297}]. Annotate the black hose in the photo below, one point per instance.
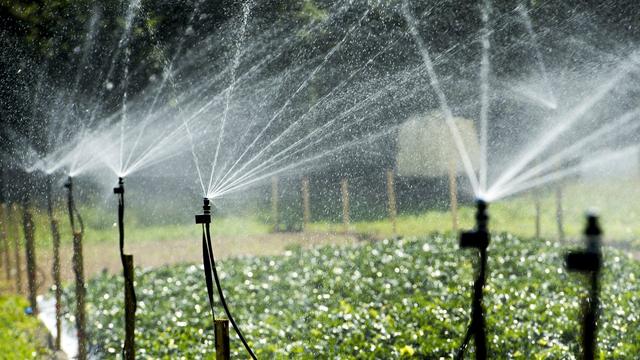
[{"x": 213, "y": 269}]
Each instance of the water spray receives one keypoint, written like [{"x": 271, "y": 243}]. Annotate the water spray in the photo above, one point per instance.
[
  {"x": 477, "y": 239},
  {"x": 589, "y": 262},
  {"x": 130, "y": 301},
  {"x": 222, "y": 341},
  {"x": 78, "y": 269}
]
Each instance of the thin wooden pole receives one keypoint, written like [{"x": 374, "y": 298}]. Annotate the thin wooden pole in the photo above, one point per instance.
[
  {"x": 453, "y": 192},
  {"x": 5, "y": 242},
  {"x": 559, "y": 213},
  {"x": 130, "y": 310},
  {"x": 306, "y": 203},
  {"x": 221, "y": 329},
  {"x": 391, "y": 196},
  {"x": 55, "y": 237},
  {"x": 78, "y": 269},
  {"x": 30, "y": 251},
  {"x": 13, "y": 222},
  {"x": 274, "y": 203},
  {"x": 536, "y": 204},
  {"x": 344, "y": 189}
]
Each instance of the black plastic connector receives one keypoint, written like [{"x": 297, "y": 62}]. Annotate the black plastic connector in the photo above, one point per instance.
[
  {"x": 590, "y": 259},
  {"x": 205, "y": 218},
  {"x": 120, "y": 188},
  {"x": 479, "y": 237}
]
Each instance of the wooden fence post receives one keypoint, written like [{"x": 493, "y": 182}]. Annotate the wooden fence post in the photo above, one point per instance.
[
  {"x": 5, "y": 242},
  {"x": 538, "y": 211},
  {"x": 13, "y": 222},
  {"x": 223, "y": 350},
  {"x": 559, "y": 213},
  {"x": 391, "y": 196},
  {"x": 306, "y": 204},
  {"x": 274, "y": 203},
  {"x": 453, "y": 192},
  {"x": 78, "y": 269},
  {"x": 29, "y": 241},
  {"x": 344, "y": 189},
  {"x": 55, "y": 234}
]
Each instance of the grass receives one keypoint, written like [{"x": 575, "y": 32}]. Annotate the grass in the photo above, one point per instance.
[{"x": 21, "y": 335}]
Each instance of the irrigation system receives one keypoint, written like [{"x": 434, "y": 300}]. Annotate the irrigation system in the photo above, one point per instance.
[
  {"x": 130, "y": 300},
  {"x": 210, "y": 269},
  {"x": 589, "y": 262},
  {"x": 477, "y": 239}
]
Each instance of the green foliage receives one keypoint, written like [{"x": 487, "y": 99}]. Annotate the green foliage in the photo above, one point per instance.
[
  {"x": 19, "y": 333},
  {"x": 387, "y": 299}
]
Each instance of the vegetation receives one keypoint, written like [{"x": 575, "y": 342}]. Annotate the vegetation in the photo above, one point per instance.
[
  {"x": 386, "y": 299},
  {"x": 20, "y": 334}
]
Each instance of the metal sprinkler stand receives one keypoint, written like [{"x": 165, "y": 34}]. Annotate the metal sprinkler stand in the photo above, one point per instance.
[
  {"x": 589, "y": 262},
  {"x": 221, "y": 328},
  {"x": 78, "y": 269},
  {"x": 477, "y": 239},
  {"x": 130, "y": 302}
]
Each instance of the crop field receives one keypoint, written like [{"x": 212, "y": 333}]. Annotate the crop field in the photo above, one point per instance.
[{"x": 382, "y": 299}]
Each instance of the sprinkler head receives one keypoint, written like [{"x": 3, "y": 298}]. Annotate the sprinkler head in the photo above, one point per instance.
[
  {"x": 120, "y": 188},
  {"x": 478, "y": 238},
  {"x": 589, "y": 260},
  {"x": 205, "y": 218},
  {"x": 69, "y": 183}
]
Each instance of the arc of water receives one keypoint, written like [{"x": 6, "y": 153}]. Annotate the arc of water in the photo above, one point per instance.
[
  {"x": 303, "y": 85},
  {"x": 485, "y": 68},
  {"x": 546, "y": 139},
  {"x": 558, "y": 175},
  {"x": 608, "y": 130},
  {"x": 446, "y": 110},
  {"x": 305, "y": 161},
  {"x": 236, "y": 63},
  {"x": 298, "y": 121}
]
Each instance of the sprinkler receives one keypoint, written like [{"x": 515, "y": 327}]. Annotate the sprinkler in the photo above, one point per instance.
[
  {"x": 130, "y": 302},
  {"x": 589, "y": 262},
  {"x": 477, "y": 239},
  {"x": 78, "y": 269},
  {"x": 209, "y": 269}
]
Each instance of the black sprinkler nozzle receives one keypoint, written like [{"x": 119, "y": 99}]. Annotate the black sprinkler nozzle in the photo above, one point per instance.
[
  {"x": 120, "y": 188},
  {"x": 69, "y": 183},
  {"x": 205, "y": 218},
  {"x": 590, "y": 259},
  {"x": 479, "y": 237}
]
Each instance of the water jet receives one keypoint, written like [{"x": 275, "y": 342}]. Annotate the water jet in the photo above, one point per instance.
[
  {"x": 479, "y": 239},
  {"x": 210, "y": 268}
]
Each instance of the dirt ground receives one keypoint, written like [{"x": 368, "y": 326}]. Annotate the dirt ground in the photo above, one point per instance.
[{"x": 105, "y": 256}]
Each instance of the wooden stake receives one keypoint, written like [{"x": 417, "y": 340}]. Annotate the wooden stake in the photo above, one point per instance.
[
  {"x": 274, "y": 203},
  {"x": 223, "y": 350},
  {"x": 5, "y": 242},
  {"x": 29, "y": 240},
  {"x": 453, "y": 192},
  {"x": 536, "y": 204},
  {"x": 78, "y": 269},
  {"x": 391, "y": 196},
  {"x": 344, "y": 189},
  {"x": 55, "y": 234},
  {"x": 129, "y": 310},
  {"x": 13, "y": 222},
  {"x": 306, "y": 203},
  {"x": 559, "y": 213}
]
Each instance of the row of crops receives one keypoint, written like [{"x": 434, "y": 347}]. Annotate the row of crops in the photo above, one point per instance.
[{"x": 387, "y": 299}]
